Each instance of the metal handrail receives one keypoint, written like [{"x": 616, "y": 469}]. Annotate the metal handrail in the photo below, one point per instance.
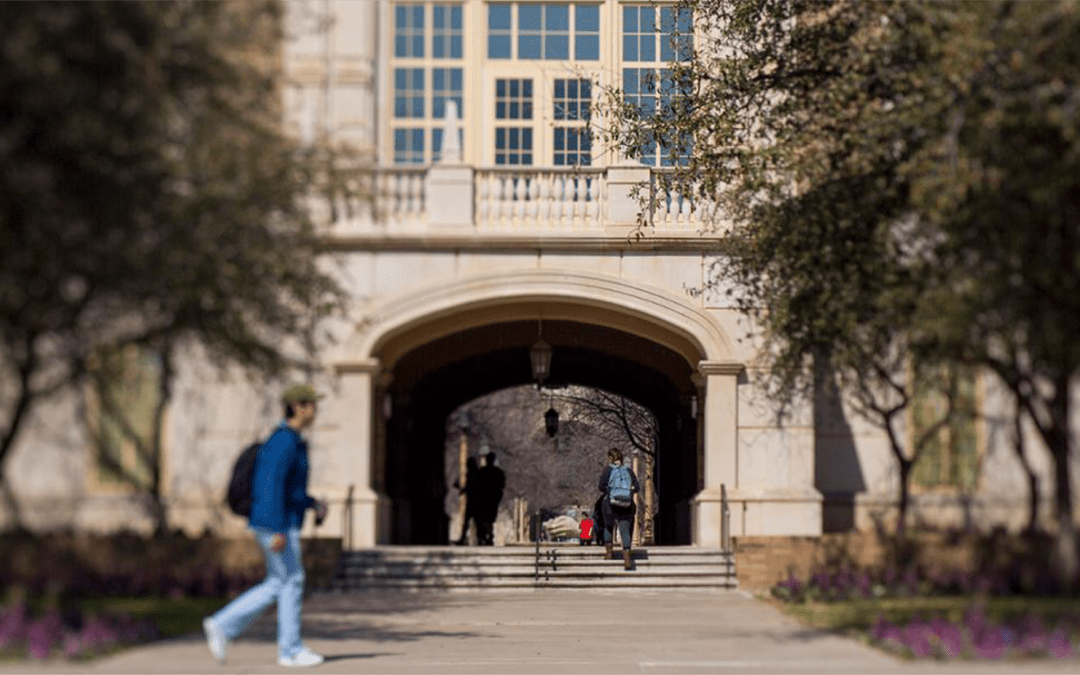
[
  {"x": 725, "y": 520},
  {"x": 536, "y": 538},
  {"x": 346, "y": 519}
]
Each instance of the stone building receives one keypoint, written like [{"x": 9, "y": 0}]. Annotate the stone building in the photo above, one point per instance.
[{"x": 498, "y": 221}]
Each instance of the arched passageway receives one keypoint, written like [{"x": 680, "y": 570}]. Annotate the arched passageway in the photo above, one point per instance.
[{"x": 430, "y": 380}]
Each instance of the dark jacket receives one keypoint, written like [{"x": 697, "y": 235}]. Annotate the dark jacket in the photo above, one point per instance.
[{"x": 279, "y": 487}]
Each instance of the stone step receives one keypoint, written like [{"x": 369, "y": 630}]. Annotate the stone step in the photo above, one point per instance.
[{"x": 567, "y": 566}]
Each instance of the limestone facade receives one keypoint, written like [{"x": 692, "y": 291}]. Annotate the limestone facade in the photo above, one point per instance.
[{"x": 451, "y": 262}]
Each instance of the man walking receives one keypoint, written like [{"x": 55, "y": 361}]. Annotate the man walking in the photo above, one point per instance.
[
  {"x": 279, "y": 500},
  {"x": 490, "y": 483}
]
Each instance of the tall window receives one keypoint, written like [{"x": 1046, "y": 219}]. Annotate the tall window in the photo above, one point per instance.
[
  {"x": 513, "y": 101},
  {"x": 122, "y": 402},
  {"x": 572, "y": 99},
  {"x": 544, "y": 31},
  {"x": 654, "y": 91},
  {"x": 652, "y": 38},
  {"x": 427, "y": 72},
  {"x": 950, "y": 459}
]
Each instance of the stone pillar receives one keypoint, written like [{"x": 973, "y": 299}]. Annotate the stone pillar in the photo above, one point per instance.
[
  {"x": 449, "y": 195},
  {"x": 719, "y": 409},
  {"x": 354, "y": 449},
  {"x": 622, "y": 206}
]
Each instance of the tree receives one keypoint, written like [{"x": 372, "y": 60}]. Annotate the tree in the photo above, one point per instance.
[
  {"x": 150, "y": 195},
  {"x": 901, "y": 178}
]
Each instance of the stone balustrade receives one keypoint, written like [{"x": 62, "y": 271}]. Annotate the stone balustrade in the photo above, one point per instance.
[{"x": 520, "y": 201}]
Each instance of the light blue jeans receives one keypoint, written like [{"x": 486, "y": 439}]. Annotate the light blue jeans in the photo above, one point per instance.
[{"x": 284, "y": 584}]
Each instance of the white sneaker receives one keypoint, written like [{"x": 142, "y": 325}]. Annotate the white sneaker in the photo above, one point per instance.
[
  {"x": 215, "y": 639},
  {"x": 301, "y": 659}
]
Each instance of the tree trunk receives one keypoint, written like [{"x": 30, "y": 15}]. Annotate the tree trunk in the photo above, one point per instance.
[
  {"x": 1058, "y": 442},
  {"x": 158, "y": 508},
  {"x": 1032, "y": 477},
  {"x": 18, "y": 416},
  {"x": 901, "y": 518}
]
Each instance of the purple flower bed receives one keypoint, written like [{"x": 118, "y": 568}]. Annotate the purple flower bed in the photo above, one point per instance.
[
  {"x": 979, "y": 638},
  {"x": 849, "y": 583},
  {"x": 973, "y": 637},
  {"x": 51, "y": 634}
]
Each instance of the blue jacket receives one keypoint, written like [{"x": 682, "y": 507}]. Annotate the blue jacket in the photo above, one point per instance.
[{"x": 279, "y": 488}]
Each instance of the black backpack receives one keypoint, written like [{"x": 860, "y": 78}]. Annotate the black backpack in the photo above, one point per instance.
[{"x": 239, "y": 495}]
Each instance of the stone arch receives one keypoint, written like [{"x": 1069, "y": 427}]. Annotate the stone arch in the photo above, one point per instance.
[
  {"x": 403, "y": 322},
  {"x": 400, "y": 326}
]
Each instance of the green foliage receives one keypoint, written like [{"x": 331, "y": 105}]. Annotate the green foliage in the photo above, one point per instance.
[
  {"x": 902, "y": 181},
  {"x": 149, "y": 192}
]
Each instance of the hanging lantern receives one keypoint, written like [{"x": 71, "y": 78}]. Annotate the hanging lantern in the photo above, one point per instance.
[
  {"x": 540, "y": 355},
  {"x": 551, "y": 422}
]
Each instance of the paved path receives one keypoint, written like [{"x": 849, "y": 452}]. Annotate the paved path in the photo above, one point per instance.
[{"x": 547, "y": 631}]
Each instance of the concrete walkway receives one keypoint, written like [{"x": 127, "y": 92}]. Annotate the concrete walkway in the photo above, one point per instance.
[{"x": 548, "y": 631}]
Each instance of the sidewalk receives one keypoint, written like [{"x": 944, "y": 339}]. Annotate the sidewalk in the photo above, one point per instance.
[{"x": 547, "y": 631}]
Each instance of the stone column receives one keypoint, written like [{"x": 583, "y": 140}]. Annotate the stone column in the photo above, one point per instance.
[
  {"x": 354, "y": 449},
  {"x": 719, "y": 409}
]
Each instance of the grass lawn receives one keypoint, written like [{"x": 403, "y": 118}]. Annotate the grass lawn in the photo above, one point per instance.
[
  {"x": 173, "y": 616},
  {"x": 858, "y": 616}
]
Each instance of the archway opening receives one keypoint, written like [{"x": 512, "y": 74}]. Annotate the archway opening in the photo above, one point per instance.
[
  {"x": 551, "y": 444},
  {"x": 429, "y": 382}
]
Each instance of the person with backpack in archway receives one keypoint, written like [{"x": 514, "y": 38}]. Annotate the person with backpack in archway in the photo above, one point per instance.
[{"x": 618, "y": 483}]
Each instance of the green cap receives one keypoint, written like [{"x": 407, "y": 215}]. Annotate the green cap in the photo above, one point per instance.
[{"x": 300, "y": 393}]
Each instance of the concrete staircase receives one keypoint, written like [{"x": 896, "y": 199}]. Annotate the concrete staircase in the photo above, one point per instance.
[{"x": 515, "y": 567}]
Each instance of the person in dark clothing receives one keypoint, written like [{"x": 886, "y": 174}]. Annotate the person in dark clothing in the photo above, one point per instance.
[
  {"x": 598, "y": 518},
  {"x": 490, "y": 482},
  {"x": 616, "y": 480},
  {"x": 470, "y": 501}
]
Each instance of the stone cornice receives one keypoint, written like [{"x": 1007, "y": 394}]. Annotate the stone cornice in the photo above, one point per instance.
[
  {"x": 493, "y": 243},
  {"x": 721, "y": 368}
]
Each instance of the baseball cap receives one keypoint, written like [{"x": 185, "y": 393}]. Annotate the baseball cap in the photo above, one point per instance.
[{"x": 298, "y": 393}]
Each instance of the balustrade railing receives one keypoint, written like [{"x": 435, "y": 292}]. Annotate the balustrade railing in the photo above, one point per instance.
[
  {"x": 512, "y": 201},
  {"x": 400, "y": 196},
  {"x": 539, "y": 200}
]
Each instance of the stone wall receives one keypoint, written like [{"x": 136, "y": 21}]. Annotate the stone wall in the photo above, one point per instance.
[{"x": 760, "y": 562}]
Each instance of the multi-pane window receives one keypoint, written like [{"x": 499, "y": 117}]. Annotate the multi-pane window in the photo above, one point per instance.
[
  {"x": 409, "y": 31},
  {"x": 513, "y": 146},
  {"x": 573, "y": 146},
  {"x": 645, "y": 38},
  {"x": 572, "y": 143},
  {"x": 513, "y": 101},
  {"x": 572, "y": 99},
  {"x": 552, "y": 31},
  {"x": 409, "y": 92},
  {"x": 657, "y": 36},
  {"x": 544, "y": 31},
  {"x": 409, "y": 146},
  {"x": 426, "y": 73},
  {"x": 446, "y": 85},
  {"x": 654, "y": 91},
  {"x": 447, "y": 26}
]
